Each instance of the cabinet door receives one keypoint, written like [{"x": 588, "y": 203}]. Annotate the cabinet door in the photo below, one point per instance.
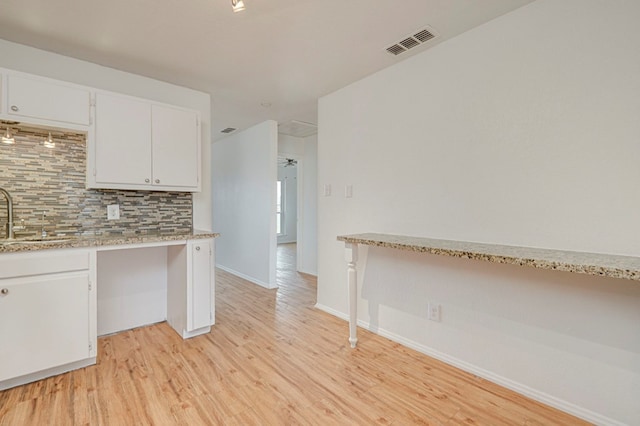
[
  {"x": 44, "y": 323},
  {"x": 122, "y": 141},
  {"x": 32, "y": 97},
  {"x": 199, "y": 298},
  {"x": 175, "y": 147}
]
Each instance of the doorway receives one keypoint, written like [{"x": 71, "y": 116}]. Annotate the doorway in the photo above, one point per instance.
[
  {"x": 287, "y": 201},
  {"x": 297, "y": 173}
]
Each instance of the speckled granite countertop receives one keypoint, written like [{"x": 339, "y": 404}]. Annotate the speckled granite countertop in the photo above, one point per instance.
[
  {"x": 58, "y": 242},
  {"x": 608, "y": 265}
]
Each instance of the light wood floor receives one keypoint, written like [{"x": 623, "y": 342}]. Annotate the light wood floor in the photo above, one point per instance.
[{"x": 272, "y": 359}]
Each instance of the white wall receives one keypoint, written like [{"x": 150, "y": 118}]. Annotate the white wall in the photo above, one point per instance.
[
  {"x": 306, "y": 151},
  {"x": 39, "y": 62},
  {"x": 523, "y": 131},
  {"x": 132, "y": 289},
  {"x": 244, "y": 167},
  {"x": 288, "y": 177}
]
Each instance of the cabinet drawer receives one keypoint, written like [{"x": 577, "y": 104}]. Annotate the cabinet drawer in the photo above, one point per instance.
[{"x": 25, "y": 264}]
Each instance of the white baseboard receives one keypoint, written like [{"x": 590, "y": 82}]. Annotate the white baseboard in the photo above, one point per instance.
[
  {"x": 522, "y": 389},
  {"x": 246, "y": 277},
  {"x": 287, "y": 241},
  {"x": 39, "y": 375},
  {"x": 313, "y": 273}
]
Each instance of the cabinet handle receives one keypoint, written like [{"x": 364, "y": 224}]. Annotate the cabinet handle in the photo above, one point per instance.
[
  {"x": 157, "y": 180},
  {"x": 197, "y": 249},
  {"x": 146, "y": 180},
  {"x": 4, "y": 291},
  {"x": 15, "y": 108}
]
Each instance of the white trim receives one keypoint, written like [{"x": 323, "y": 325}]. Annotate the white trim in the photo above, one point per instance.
[
  {"x": 300, "y": 237},
  {"x": 43, "y": 374},
  {"x": 286, "y": 241},
  {"x": 520, "y": 388},
  {"x": 283, "y": 201},
  {"x": 188, "y": 334},
  {"x": 246, "y": 277},
  {"x": 313, "y": 274}
]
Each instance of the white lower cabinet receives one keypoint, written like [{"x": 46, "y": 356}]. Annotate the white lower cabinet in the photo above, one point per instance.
[
  {"x": 49, "y": 302},
  {"x": 46, "y": 310},
  {"x": 191, "y": 287},
  {"x": 43, "y": 323},
  {"x": 200, "y": 299}
]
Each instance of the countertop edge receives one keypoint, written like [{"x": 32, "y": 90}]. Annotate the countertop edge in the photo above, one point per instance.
[
  {"x": 599, "y": 264},
  {"x": 102, "y": 241}
]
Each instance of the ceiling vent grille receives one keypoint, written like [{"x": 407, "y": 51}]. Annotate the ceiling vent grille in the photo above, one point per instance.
[
  {"x": 424, "y": 35},
  {"x": 228, "y": 130},
  {"x": 396, "y": 49},
  {"x": 411, "y": 41}
]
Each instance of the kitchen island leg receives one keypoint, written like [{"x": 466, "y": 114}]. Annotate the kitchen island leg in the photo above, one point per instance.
[{"x": 351, "y": 256}]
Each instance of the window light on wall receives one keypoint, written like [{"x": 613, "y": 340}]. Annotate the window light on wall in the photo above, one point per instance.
[
  {"x": 237, "y": 5},
  {"x": 49, "y": 143}
]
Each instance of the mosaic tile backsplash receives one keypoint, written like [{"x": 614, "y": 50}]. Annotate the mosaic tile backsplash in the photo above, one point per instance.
[{"x": 48, "y": 190}]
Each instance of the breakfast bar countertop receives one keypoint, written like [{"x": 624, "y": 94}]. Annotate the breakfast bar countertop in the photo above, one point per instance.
[
  {"x": 78, "y": 241},
  {"x": 608, "y": 265}
]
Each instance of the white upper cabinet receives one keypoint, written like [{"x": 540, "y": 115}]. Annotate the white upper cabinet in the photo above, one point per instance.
[
  {"x": 31, "y": 97},
  {"x": 175, "y": 147},
  {"x": 123, "y": 140},
  {"x": 132, "y": 143},
  {"x": 140, "y": 144}
]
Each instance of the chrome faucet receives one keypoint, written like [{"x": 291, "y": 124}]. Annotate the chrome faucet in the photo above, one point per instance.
[{"x": 10, "y": 234}]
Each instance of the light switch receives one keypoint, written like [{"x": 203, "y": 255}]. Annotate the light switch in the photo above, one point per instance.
[
  {"x": 327, "y": 189},
  {"x": 113, "y": 211},
  {"x": 348, "y": 191}
]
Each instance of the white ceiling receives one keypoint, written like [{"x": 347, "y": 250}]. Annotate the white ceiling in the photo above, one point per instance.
[{"x": 286, "y": 53}]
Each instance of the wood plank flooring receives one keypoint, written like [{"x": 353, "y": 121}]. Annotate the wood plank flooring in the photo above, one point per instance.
[{"x": 271, "y": 359}]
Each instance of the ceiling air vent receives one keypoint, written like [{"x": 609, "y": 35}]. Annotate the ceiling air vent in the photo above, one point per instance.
[
  {"x": 396, "y": 49},
  {"x": 228, "y": 130},
  {"x": 411, "y": 41},
  {"x": 423, "y": 36}
]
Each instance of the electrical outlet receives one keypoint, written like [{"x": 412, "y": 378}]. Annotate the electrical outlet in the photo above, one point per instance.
[
  {"x": 327, "y": 189},
  {"x": 113, "y": 211},
  {"x": 433, "y": 312}
]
